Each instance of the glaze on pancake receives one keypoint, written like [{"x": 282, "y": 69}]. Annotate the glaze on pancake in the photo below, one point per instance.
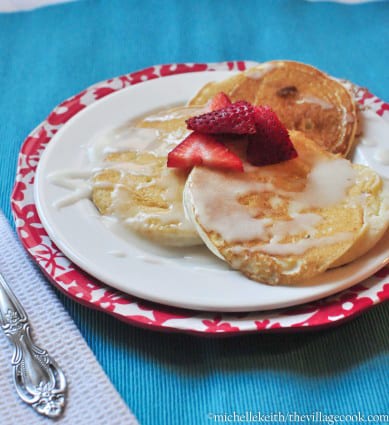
[
  {"x": 135, "y": 186},
  {"x": 285, "y": 223},
  {"x": 303, "y": 97},
  {"x": 375, "y": 194}
]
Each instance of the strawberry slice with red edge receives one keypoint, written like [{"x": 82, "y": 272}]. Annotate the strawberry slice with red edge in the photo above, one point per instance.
[
  {"x": 203, "y": 149},
  {"x": 219, "y": 101},
  {"x": 237, "y": 118},
  {"x": 271, "y": 143}
]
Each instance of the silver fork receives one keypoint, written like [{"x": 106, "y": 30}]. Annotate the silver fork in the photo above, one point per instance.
[{"x": 38, "y": 379}]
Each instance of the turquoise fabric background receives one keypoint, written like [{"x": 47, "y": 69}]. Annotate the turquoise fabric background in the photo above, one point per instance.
[{"x": 50, "y": 54}]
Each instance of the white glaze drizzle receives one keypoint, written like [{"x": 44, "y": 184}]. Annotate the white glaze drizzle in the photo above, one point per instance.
[
  {"x": 76, "y": 181},
  {"x": 216, "y": 204},
  {"x": 327, "y": 183},
  {"x": 374, "y": 141},
  {"x": 315, "y": 101},
  {"x": 296, "y": 248},
  {"x": 139, "y": 140}
]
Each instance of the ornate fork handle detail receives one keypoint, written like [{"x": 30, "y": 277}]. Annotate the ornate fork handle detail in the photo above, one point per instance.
[{"x": 38, "y": 379}]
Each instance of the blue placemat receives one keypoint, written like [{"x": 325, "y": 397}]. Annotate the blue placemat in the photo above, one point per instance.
[{"x": 52, "y": 53}]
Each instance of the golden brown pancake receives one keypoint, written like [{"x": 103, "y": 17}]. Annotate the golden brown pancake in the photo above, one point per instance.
[
  {"x": 303, "y": 97},
  {"x": 288, "y": 222},
  {"x": 135, "y": 186},
  {"x": 375, "y": 194}
]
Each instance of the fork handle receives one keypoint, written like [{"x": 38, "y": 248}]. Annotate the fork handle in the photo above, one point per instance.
[{"x": 38, "y": 379}]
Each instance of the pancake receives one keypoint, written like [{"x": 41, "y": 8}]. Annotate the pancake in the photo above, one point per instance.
[
  {"x": 303, "y": 97},
  {"x": 134, "y": 185},
  {"x": 288, "y": 222},
  {"x": 375, "y": 214}
]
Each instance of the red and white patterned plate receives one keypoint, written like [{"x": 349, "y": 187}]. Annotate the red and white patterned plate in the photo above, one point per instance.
[{"x": 88, "y": 291}]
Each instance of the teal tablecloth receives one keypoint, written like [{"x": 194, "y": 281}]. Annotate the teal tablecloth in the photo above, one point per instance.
[{"x": 52, "y": 53}]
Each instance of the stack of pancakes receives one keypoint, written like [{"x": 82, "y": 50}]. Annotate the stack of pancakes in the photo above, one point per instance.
[{"x": 277, "y": 224}]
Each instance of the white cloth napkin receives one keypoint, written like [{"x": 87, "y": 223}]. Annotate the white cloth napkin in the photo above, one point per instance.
[
  {"x": 91, "y": 398},
  {"x": 16, "y": 5}
]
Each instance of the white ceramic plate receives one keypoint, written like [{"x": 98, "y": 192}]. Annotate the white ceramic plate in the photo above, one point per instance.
[{"x": 188, "y": 278}]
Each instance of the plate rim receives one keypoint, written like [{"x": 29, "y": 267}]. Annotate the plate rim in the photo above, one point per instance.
[{"x": 158, "y": 71}]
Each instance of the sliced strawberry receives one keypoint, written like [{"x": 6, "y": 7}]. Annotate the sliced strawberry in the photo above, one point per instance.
[
  {"x": 237, "y": 118},
  {"x": 202, "y": 149},
  {"x": 219, "y": 101},
  {"x": 271, "y": 144}
]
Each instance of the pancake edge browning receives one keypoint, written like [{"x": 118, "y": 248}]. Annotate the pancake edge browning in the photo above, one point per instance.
[{"x": 345, "y": 98}]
